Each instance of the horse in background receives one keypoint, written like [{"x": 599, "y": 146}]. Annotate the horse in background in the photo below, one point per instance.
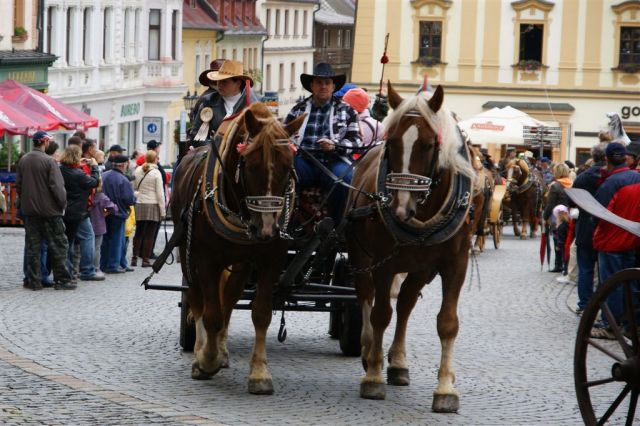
[
  {"x": 483, "y": 188},
  {"x": 525, "y": 194},
  {"x": 423, "y": 230},
  {"x": 231, "y": 201}
]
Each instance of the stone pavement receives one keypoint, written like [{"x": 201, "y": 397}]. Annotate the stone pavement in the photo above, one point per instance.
[{"x": 108, "y": 353}]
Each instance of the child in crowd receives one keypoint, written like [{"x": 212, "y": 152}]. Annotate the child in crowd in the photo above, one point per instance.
[
  {"x": 102, "y": 206},
  {"x": 561, "y": 220}
]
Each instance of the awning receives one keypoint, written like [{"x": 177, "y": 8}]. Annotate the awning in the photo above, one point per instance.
[
  {"x": 39, "y": 104},
  {"x": 17, "y": 120},
  {"x": 502, "y": 126}
]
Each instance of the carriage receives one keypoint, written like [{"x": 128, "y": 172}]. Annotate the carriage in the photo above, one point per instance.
[
  {"x": 253, "y": 260},
  {"x": 607, "y": 372}
]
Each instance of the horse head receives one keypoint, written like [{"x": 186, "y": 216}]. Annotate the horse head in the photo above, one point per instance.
[
  {"x": 266, "y": 164},
  {"x": 517, "y": 172},
  {"x": 423, "y": 140}
]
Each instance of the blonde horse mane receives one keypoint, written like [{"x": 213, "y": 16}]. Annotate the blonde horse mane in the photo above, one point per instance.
[{"x": 444, "y": 125}]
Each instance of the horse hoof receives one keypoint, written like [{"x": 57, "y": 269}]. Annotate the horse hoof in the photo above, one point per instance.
[
  {"x": 370, "y": 390},
  {"x": 198, "y": 374},
  {"x": 398, "y": 376},
  {"x": 445, "y": 403},
  {"x": 260, "y": 386}
]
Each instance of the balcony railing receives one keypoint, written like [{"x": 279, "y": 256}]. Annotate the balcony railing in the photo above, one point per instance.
[{"x": 334, "y": 56}]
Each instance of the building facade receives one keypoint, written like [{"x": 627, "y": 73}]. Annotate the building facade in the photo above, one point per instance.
[
  {"x": 334, "y": 29},
  {"x": 288, "y": 48},
  {"x": 121, "y": 62},
  {"x": 564, "y": 62}
]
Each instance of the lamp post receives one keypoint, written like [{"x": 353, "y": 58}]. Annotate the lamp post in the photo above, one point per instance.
[{"x": 189, "y": 104}]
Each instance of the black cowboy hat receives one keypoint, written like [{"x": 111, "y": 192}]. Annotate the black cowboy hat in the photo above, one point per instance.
[
  {"x": 213, "y": 66},
  {"x": 323, "y": 70}
]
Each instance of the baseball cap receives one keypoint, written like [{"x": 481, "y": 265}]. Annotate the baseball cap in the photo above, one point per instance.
[
  {"x": 119, "y": 159},
  {"x": 40, "y": 135},
  {"x": 615, "y": 149},
  {"x": 153, "y": 144},
  {"x": 545, "y": 160},
  {"x": 116, "y": 148}
]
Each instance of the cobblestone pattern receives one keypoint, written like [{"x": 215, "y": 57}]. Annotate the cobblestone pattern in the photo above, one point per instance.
[{"x": 513, "y": 356}]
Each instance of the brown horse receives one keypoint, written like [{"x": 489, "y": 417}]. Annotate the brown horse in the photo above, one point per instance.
[
  {"x": 482, "y": 192},
  {"x": 422, "y": 229},
  {"x": 525, "y": 192},
  {"x": 232, "y": 217}
]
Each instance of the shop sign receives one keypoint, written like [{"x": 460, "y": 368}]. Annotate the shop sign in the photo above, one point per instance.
[
  {"x": 151, "y": 129},
  {"x": 629, "y": 111},
  {"x": 128, "y": 110}
]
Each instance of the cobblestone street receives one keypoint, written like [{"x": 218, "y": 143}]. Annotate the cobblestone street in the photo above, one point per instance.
[{"x": 108, "y": 353}]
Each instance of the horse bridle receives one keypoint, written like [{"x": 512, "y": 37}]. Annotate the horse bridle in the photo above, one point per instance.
[
  {"x": 412, "y": 182},
  {"x": 265, "y": 203}
]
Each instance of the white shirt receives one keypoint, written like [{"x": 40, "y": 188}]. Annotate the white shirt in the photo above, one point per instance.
[{"x": 230, "y": 102}]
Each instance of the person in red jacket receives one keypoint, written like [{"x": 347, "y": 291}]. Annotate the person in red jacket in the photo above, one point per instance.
[{"x": 616, "y": 247}]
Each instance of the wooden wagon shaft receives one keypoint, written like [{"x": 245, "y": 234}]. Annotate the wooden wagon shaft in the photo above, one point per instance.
[{"x": 585, "y": 201}]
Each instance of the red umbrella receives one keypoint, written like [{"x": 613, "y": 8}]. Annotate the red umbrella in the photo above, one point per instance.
[
  {"x": 15, "y": 119},
  {"x": 35, "y": 101},
  {"x": 545, "y": 246}
]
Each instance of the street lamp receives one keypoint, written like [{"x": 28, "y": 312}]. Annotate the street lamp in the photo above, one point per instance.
[{"x": 190, "y": 101}]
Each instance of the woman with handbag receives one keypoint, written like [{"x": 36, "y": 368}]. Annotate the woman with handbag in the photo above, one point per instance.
[{"x": 150, "y": 207}]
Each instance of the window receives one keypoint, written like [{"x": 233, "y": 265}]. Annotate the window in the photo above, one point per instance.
[
  {"x": 268, "y": 19},
  {"x": 277, "y": 22},
  {"x": 234, "y": 54},
  {"x": 304, "y": 23},
  {"x": 295, "y": 23},
  {"x": 224, "y": 53},
  {"x": 86, "y": 33},
  {"x": 582, "y": 155},
  {"x": 125, "y": 35},
  {"x": 192, "y": 4},
  {"x": 197, "y": 68},
  {"x": 286, "y": 22},
  {"x": 531, "y": 42},
  {"x": 136, "y": 36},
  {"x": 347, "y": 39},
  {"x": 106, "y": 34},
  {"x": 68, "y": 35},
  {"x": 281, "y": 77},
  {"x": 49, "y": 28},
  {"x": 304, "y": 67},
  {"x": 430, "y": 39},
  {"x": 267, "y": 77},
  {"x": 325, "y": 38},
  {"x": 292, "y": 84},
  {"x": 18, "y": 13},
  {"x": 339, "y": 40},
  {"x": 174, "y": 34},
  {"x": 154, "y": 34},
  {"x": 207, "y": 60},
  {"x": 255, "y": 57},
  {"x": 630, "y": 45}
]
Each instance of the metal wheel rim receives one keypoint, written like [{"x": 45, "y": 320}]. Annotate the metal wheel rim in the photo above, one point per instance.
[{"x": 583, "y": 383}]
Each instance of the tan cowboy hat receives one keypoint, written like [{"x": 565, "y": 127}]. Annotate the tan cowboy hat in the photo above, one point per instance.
[{"x": 229, "y": 69}]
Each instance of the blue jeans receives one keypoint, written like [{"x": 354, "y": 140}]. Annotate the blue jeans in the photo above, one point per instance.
[
  {"x": 123, "y": 258},
  {"x": 310, "y": 176},
  {"x": 112, "y": 244},
  {"x": 608, "y": 264},
  {"x": 586, "y": 257},
  {"x": 86, "y": 239}
]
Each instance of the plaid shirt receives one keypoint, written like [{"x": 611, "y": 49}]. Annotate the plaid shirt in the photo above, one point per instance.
[{"x": 336, "y": 121}]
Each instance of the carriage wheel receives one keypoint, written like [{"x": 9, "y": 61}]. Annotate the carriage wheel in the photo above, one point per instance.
[
  {"x": 345, "y": 324},
  {"x": 496, "y": 231},
  {"x": 187, "y": 328},
  {"x": 613, "y": 373}
]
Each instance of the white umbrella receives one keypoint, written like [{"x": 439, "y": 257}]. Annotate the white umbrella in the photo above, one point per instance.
[{"x": 502, "y": 126}]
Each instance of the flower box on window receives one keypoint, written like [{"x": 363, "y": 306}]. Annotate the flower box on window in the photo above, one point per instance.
[
  {"x": 428, "y": 61},
  {"x": 529, "y": 65},
  {"x": 19, "y": 35},
  {"x": 629, "y": 68}
]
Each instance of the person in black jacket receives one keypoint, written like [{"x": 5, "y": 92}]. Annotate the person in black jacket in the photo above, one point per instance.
[
  {"x": 556, "y": 197},
  {"x": 588, "y": 180},
  {"x": 78, "y": 186}
]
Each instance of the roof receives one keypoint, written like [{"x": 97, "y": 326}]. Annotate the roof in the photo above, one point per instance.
[
  {"x": 330, "y": 13},
  {"x": 342, "y": 7},
  {"x": 201, "y": 17},
  {"x": 26, "y": 57},
  {"x": 530, "y": 105}
]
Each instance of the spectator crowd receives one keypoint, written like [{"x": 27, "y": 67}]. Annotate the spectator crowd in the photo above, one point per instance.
[{"x": 80, "y": 210}]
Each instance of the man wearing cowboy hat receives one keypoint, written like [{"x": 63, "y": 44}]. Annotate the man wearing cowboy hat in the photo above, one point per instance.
[
  {"x": 212, "y": 87},
  {"x": 232, "y": 96},
  {"x": 330, "y": 130}
]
